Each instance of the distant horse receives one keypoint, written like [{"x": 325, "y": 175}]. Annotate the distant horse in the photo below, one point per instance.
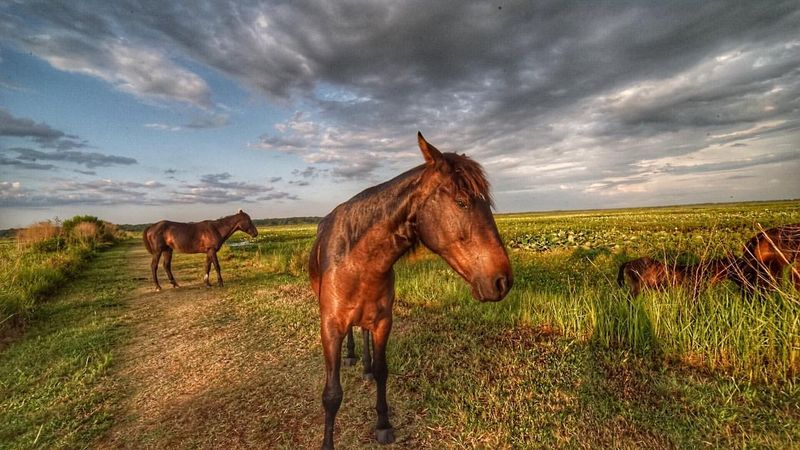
[
  {"x": 194, "y": 237},
  {"x": 443, "y": 204},
  {"x": 648, "y": 274},
  {"x": 767, "y": 254}
]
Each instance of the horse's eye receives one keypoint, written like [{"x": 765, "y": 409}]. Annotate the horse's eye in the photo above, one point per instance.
[{"x": 461, "y": 203}]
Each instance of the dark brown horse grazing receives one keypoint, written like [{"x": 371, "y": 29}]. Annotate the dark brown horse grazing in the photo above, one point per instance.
[
  {"x": 649, "y": 274},
  {"x": 767, "y": 254},
  {"x": 194, "y": 237},
  {"x": 445, "y": 205}
]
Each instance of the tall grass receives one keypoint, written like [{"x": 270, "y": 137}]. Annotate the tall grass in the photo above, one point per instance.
[
  {"x": 755, "y": 339},
  {"x": 569, "y": 288},
  {"x": 45, "y": 257}
]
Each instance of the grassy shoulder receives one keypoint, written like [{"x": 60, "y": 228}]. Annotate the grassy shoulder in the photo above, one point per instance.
[
  {"x": 41, "y": 259},
  {"x": 55, "y": 389}
]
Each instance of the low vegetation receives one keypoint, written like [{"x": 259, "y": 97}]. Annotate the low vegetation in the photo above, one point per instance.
[
  {"x": 567, "y": 360},
  {"x": 41, "y": 258}
]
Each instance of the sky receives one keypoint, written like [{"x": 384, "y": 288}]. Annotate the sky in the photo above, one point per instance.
[{"x": 136, "y": 111}]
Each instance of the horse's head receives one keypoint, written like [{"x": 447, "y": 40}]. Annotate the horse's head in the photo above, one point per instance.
[
  {"x": 245, "y": 224},
  {"x": 454, "y": 220}
]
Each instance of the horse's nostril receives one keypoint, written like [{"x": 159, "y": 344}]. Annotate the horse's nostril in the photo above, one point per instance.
[{"x": 501, "y": 283}]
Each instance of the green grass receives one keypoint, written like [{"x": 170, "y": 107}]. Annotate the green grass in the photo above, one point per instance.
[
  {"x": 565, "y": 361},
  {"x": 54, "y": 386},
  {"x": 28, "y": 275}
]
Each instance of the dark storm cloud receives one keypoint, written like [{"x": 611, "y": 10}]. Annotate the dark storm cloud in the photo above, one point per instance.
[{"x": 542, "y": 93}]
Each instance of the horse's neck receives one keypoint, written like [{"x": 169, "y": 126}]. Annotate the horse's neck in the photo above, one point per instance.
[
  {"x": 401, "y": 233},
  {"x": 226, "y": 227}
]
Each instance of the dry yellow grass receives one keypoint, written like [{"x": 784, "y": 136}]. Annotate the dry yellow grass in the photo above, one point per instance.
[
  {"x": 85, "y": 232},
  {"x": 38, "y": 232}
]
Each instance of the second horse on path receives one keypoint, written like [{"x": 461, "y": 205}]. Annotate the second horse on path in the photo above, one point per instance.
[{"x": 193, "y": 237}]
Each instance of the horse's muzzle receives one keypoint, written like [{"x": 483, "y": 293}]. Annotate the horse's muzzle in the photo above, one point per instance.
[{"x": 492, "y": 289}]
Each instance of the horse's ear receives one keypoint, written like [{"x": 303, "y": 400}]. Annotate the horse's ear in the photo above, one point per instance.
[
  {"x": 431, "y": 153},
  {"x": 240, "y": 211}
]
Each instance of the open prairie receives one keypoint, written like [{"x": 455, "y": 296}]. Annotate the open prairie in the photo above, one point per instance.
[{"x": 565, "y": 361}]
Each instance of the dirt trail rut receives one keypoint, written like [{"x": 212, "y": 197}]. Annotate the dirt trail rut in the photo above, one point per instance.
[{"x": 231, "y": 367}]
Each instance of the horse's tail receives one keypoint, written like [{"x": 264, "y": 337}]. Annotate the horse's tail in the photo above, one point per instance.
[
  {"x": 621, "y": 274},
  {"x": 146, "y": 240}
]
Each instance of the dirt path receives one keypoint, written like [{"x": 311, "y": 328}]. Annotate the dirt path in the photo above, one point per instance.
[{"x": 231, "y": 367}]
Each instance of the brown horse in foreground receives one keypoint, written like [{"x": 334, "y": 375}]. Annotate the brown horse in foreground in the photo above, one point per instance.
[
  {"x": 648, "y": 274},
  {"x": 767, "y": 254},
  {"x": 445, "y": 205},
  {"x": 194, "y": 237}
]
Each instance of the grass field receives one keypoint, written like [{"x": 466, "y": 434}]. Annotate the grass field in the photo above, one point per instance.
[{"x": 565, "y": 361}]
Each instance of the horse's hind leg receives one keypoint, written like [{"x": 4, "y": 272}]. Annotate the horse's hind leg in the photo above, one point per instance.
[
  {"x": 332, "y": 338},
  {"x": 168, "y": 267},
  {"x": 367, "y": 373},
  {"x": 154, "y": 269},
  {"x": 350, "y": 359}
]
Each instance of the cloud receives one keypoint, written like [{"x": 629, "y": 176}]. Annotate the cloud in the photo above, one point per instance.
[
  {"x": 81, "y": 39},
  {"x": 162, "y": 127},
  {"x": 24, "y": 164},
  {"x": 211, "y": 121},
  {"x": 220, "y": 188},
  {"x": 41, "y": 133},
  {"x": 544, "y": 95},
  {"x": 198, "y": 123},
  {"x": 88, "y": 159},
  {"x": 26, "y": 128},
  {"x": 210, "y": 189},
  {"x": 96, "y": 192}
]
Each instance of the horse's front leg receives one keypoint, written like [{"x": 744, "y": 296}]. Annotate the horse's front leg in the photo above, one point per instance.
[
  {"x": 216, "y": 266},
  {"x": 332, "y": 395},
  {"x": 384, "y": 432},
  {"x": 350, "y": 359}
]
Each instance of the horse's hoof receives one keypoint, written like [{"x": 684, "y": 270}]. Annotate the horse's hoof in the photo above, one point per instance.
[
  {"x": 175, "y": 285},
  {"x": 158, "y": 289},
  {"x": 385, "y": 436},
  {"x": 368, "y": 376},
  {"x": 349, "y": 361}
]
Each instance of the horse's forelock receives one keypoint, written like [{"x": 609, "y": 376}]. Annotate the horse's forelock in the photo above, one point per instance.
[{"x": 467, "y": 177}]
